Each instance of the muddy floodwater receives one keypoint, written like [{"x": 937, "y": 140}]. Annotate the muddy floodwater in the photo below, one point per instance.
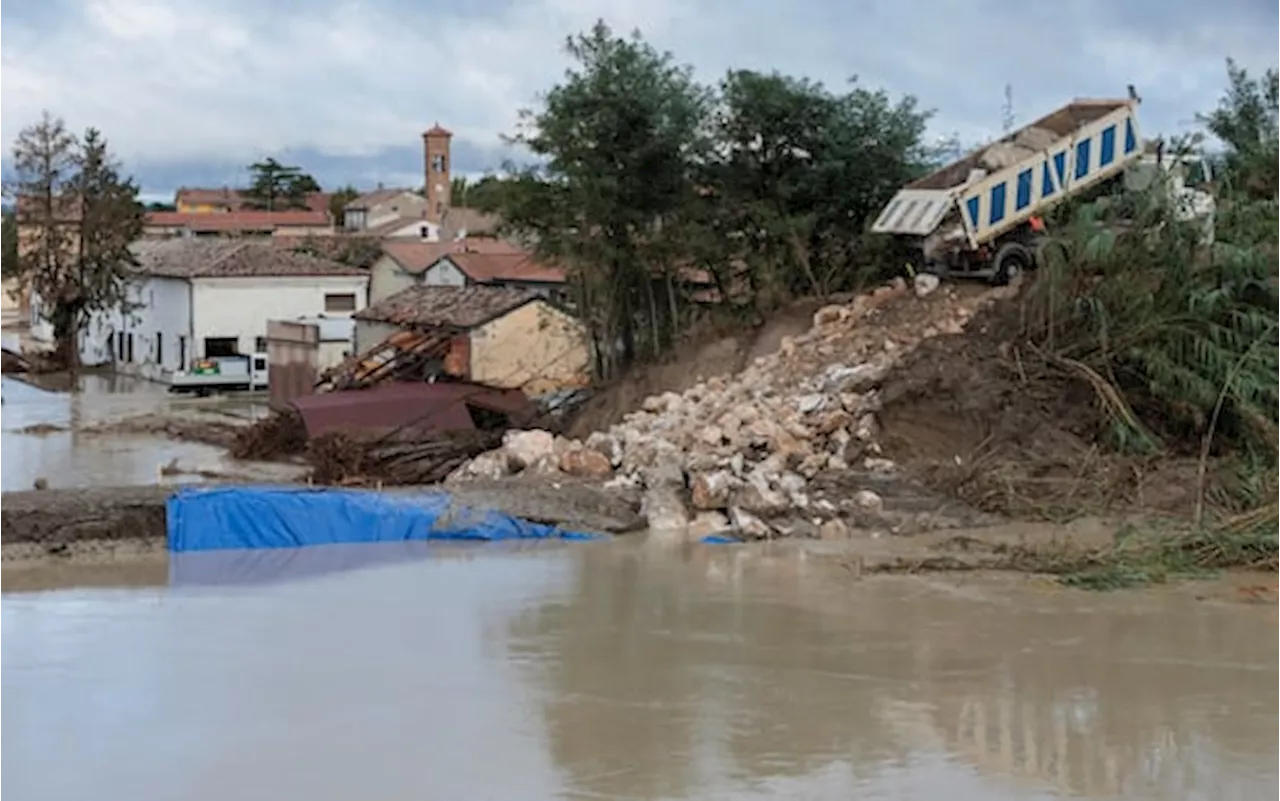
[
  {"x": 619, "y": 670},
  {"x": 64, "y": 435}
]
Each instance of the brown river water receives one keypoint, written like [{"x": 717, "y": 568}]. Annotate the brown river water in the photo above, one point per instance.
[{"x": 622, "y": 670}]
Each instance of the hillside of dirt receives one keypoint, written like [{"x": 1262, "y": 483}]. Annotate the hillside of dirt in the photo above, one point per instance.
[
  {"x": 706, "y": 354},
  {"x": 791, "y": 445}
]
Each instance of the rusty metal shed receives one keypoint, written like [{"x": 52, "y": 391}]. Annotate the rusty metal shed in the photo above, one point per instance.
[{"x": 422, "y": 407}]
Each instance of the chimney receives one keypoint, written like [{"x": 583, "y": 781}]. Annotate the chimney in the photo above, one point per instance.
[{"x": 435, "y": 145}]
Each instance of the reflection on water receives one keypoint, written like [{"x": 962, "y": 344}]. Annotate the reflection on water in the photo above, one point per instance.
[
  {"x": 609, "y": 670},
  {"x": 66, "y": 455}
]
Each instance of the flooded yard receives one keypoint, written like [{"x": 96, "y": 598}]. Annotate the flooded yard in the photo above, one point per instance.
[
  {"x": 621, "y": 670},
  {"x": 82, "y": 436}
]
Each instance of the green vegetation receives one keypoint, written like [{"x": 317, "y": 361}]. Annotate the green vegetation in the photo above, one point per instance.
[
  {"x": 78, "y": 216},
  {"x": 1179, "y": 342},
  {"x": 765, "y": 182},
  {"x": 278, "y": 187}
]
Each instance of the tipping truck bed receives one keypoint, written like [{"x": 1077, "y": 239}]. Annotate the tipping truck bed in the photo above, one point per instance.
[{"x": 973, "y": 203}]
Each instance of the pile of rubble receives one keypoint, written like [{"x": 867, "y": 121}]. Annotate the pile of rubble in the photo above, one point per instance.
[{"x": 749, "y": 452}]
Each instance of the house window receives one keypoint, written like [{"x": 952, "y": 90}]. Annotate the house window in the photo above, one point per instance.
[
  {"x": 182, "y": 352},
  {"x": 259, "y": 344},
  {"x": 160, "y": 348},
  {"x": 424, "y": 232},
  {"x": 221, "y": 346},
  {"x": 438, "y": 162},
  {"x": 129, "y": 349},
  {"x": 340, "y": 303}
]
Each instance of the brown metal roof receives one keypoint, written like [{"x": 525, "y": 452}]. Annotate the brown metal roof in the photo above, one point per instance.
[
  {"x": 442, "y": 406},
  {"x": 226, "y": 258},
  {"x": 459, "y": 308}
]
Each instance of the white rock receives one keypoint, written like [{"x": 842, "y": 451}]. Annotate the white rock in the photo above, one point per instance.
[
  {"x": 810, "y": 403},
  {"x": 748, "y": 525},
  {"x": 877, "y": 465},
  {"x": 858, "y": 378},
  {"x": 525, "y": 448},
  {"x": 926, "y": 284},
  {"x": 663, "y": 509},
  {"x": 869, "y": 501}
]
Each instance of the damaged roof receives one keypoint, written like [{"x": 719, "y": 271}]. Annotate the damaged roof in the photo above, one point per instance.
[
  {"x": 453, "y": 307},
  {"x": 185, "y": 258},
  {"x": 423, "y": 407}
]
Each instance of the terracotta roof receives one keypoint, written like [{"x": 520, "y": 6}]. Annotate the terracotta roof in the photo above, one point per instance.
[
  {"x": 234, "y": 199},
  {"x": 452, "y": 307},
  {"x": 437, "y": 130},
  {"x": 369, "y": 199},
  {"x": 179, "y": 258},
  {"x": 416, "y": 257},
  {"x": 488, "y": 268},
  {"x": 236, "y": 220}
]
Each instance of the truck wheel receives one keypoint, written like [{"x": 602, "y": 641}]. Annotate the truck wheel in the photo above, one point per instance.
[{"x": 1011, "y": 259}]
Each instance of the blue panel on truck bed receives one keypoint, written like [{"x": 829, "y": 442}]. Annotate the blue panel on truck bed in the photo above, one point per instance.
[{"x": 286, "y": 517}]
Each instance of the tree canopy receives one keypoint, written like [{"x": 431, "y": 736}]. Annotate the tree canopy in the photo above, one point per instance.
[
  {"x": 278, "y": 187},
  {"x": 78, "y": 216},
  {"x": 648, "y": 179}
]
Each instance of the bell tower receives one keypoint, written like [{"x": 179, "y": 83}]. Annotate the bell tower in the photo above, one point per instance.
[{"x": 435, "y": 145}]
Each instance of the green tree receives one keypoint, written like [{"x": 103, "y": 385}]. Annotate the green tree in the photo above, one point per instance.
[
  {"x": 618, "y": 138},
  {"x": 9, "y": 265},
  {"x": 339, "y": 200},
  {"x": 80, "y": 216},
  {"x": 278, "y": 187},
  {"x": 1246, "y": 122},
  {"x": 800, "y": 172}
]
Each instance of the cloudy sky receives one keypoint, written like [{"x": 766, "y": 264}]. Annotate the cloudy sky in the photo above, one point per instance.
[{"x": 189, "y": 92}]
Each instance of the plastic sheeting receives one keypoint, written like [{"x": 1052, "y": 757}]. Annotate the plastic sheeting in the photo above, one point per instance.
[
  {"x": 262, "y": 566},
  {"x": 264, "y": 517}
]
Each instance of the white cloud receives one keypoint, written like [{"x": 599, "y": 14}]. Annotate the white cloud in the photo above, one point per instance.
[{"x": 171, "y": 81}]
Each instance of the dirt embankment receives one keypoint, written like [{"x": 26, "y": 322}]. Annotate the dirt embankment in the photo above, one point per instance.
[
  {"x": 699, "y": 359},
  {"x": 55, "y": 522}
]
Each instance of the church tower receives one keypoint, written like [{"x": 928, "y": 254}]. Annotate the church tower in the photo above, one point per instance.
[{"x": 435, "y": 145}]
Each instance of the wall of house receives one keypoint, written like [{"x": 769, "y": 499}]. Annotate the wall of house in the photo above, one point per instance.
[
  {"x": 537, "y": 348},
  {"x": 157, "y": 322},
  {"x": 387, "y": 278},
  {"x": 413, "y": 230},
  {"x": 241, "y": 307},
  {"x": 370, "y": 333},
  {"x": 444, "y": 273}
]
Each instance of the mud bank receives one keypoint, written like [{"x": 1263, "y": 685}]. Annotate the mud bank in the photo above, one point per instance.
[{"x": 108, "y": 520}]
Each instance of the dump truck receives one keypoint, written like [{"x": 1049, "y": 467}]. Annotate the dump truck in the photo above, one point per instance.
[
  {"x": 981, "y": 216},
  {"x": 222, "y": 374}
]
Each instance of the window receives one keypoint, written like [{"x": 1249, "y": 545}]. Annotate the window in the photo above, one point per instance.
[
  {"x": 119, "y": 349},
  {"x": 424, "y": 232},
  {"x": 438, "y": 163},
  {"x": 259, "y": 344},
  {"x": 336, "y": 304},
  {"x": 160, "y": 348},
  {"x": 182, "y": 352},
  {"x": 129, "y": 349},
  {"x": 259, "y": 363},
  {"x": 221, "y": 346}
]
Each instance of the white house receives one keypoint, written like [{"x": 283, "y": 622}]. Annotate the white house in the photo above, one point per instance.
[{"x": 197, "y": 298}]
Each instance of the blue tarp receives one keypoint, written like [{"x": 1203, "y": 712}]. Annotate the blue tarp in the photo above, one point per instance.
[
  {"x": 291, "y": 517},
  {"x": 240, "y": 567}
]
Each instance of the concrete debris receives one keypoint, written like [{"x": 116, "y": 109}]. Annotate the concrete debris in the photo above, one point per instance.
[
  {"x": 926, "y": 284},
  {"x": 753, "y": 452}
]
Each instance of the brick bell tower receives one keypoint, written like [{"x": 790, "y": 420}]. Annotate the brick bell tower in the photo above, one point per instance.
[{"x": 435, "y": 145}]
